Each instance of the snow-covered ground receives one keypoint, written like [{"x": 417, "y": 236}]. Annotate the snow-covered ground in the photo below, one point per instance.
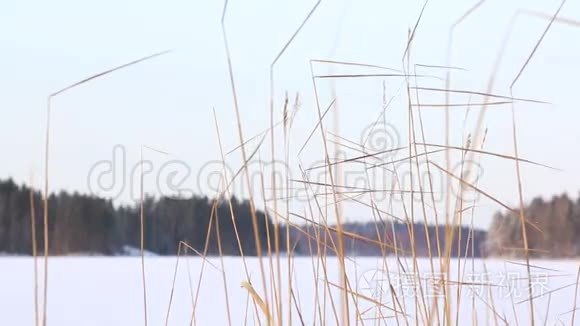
[{"x": 108, "y": 290}]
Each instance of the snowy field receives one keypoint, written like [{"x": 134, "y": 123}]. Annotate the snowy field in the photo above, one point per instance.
[{"x": 108, "y": 291}]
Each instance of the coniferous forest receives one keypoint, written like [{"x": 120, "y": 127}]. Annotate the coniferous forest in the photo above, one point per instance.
[{"x": 90, "y": 225}]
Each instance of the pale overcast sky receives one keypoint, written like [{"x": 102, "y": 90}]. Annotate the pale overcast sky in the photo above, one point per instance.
[{"x": 166, "y": 103}]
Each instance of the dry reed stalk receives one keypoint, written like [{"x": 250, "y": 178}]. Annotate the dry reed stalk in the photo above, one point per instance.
[
  {"x": 276, "y": 231},
  {"x": 575, "y": 297},
  {"x": 223, "y": 271},
  {"x": 435, "y": 304},
  {"x": 46, "y": 159},
  {"x": 517, "y": 163},
  {"x": 34, "y": 254},
  {"x": 344, "y": 278},
  {"x": 226, "y": 192},
  {"x": 173, "y": 282},
  {"x": 142, "y": 237},
  {"x": 244, "y": 156},
  {"x": 258, "y": 300}
]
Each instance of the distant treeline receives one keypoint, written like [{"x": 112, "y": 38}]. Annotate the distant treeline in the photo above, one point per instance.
[
  {"x": 391, "y": 238},
  {"x": 83, "y": 224},
  {"x": 552, "y": 230},
  {"x": 91, "y": 225}
]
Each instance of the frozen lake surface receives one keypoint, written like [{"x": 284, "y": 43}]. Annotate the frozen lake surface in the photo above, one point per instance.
[{"x": 108, "y": 291}]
